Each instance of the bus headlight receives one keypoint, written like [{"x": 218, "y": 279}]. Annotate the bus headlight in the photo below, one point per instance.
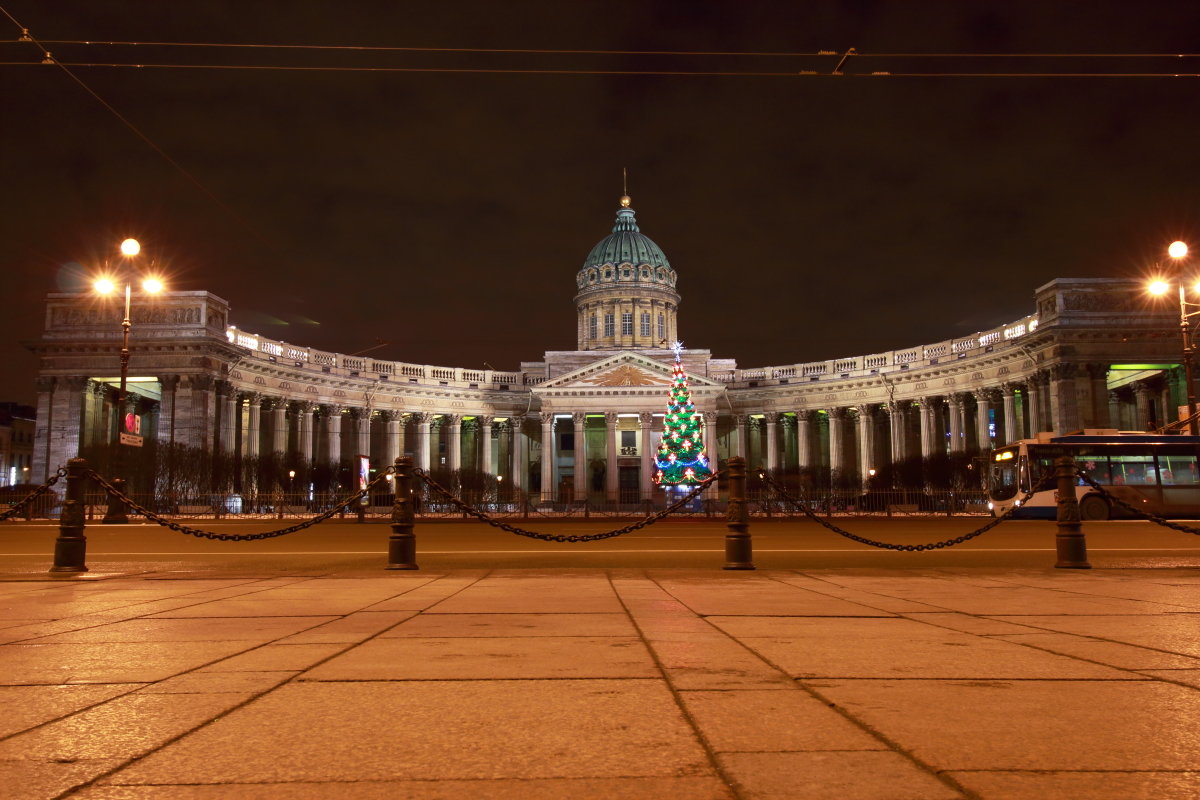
[{"x": 991, "y": 506}]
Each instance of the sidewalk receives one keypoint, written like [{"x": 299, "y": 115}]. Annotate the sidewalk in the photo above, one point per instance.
[{"x": 634, "y": 684}]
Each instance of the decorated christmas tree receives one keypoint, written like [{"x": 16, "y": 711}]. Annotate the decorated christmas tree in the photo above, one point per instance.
[{"x": 680, "y": 457}]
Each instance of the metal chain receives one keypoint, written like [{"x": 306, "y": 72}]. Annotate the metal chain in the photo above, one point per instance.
[
  {"x": 236, "y": 537},
  {"x": 966, "y": 537},
  {"x": 1134, "y": 509},
  {"x": 552, "y": 537},
  {"x": 36, "y": 493}
]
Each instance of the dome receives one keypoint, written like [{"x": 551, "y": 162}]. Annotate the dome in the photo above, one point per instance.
[{"x": 626, "y": 244}]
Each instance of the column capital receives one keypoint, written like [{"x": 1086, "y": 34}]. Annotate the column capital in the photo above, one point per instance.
[
  {"x": 646, "y": 419},
  {"x": 611, "y": 418},
  {"x": 421, "y": 417},
  {"x": 485, "y": 420},
  {"x": 578, "y": 417},
  {"x": 836, "y": 412},
  {"x": 771, "y": 416},
  {"x": 453, "y": 420},
  {"x": 1063, "y": 371},
  {"x": 388, "y": 415},
  {"x": 547, "y": 418},
  {"x": 710, "y": 417}
]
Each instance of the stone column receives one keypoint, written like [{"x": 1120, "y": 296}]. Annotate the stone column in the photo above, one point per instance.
[
  {"x": 305, "y": 413},
  {"x": 227, "y": 407},
  {"x": 866, "y": 444},
  {"x": 771, "y": 418},
  {"x": 579, "y": 419},
  {"x": 983, "y": 399},
  {"x": 165, "y": 428},
  {"x": 804, "y": 457},
  {"x": 452, "y": 430},
  {"x": 836, "y": 417},
  {"x": 40, "y": 468},
  {"x": 1143, "y": 395},
  {"x": 1064, "y": 403},
  {"x": 485, "y": 441},
  {"x": 928, "y": 426},
  {"x": 62, "y": 424},
  {"x": 957, "y": 418},
  {"x": 611, "y": 468},
  {"x": 549, "y": 456},
  {"x": 645, "y": 421},
  {"x": 1098, "y": 383},
  {"x": 1034, "y": 405},
  {"x": 896, "y": 419},
  {"x": 278, "y": 423},
  {"x": 333, "y": 434},
  {"x": 252, "y": 438},
  {"x": 1012, "y": 425},
  {"x": 516, "y": 425},
  {"x": 391, "y": 437},
  {"x": 423, "y": 421},
  {"x": 709, "y": 437},
  {"x": 739, "y": 422}
]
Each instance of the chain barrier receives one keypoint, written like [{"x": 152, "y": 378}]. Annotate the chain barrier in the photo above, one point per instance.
[
  {"x": 35, "y": 494},
  {"x": 966, "y": 537},
  {"x": 1116, "y": 501},
  {"x": 236, "y": 537},
  {"x": 552, "y": 537}
]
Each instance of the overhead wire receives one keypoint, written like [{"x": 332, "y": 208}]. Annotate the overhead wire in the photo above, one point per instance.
[{"x": 47, "y": 58}]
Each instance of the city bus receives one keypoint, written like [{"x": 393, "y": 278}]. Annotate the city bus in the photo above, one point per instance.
[{"x": 1155, "y": 473}]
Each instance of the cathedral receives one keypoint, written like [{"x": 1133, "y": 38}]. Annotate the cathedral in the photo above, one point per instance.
[{"x": 584, "y": 423}]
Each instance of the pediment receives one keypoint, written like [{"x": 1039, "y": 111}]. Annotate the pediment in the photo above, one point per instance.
[{"x": 625, "y": 370}]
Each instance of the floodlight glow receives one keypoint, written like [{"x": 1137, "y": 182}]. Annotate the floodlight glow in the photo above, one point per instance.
[
  {"x": 1158, "y": 287},
  {"x": 1177, "y": 250},
  {"x": 104, "y": 286},
  {"x": 152, "y": 285},
  {"x": 131, "y": 247}
]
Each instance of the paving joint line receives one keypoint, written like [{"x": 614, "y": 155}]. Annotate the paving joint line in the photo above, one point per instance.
[{"x": 256, "y": 696}]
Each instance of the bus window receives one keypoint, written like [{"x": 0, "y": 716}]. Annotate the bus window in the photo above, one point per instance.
[
  {"x": 1095, "y": 467},
  {"x": 1177, "y": 470},
  {"x": 1133, "y": 470}
]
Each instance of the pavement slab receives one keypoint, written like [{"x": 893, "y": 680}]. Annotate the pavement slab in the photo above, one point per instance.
[
  {"x": 512, "y": 625},
  {"x": 808, "y": 647},
  {"x": 692, "y": 788},
  {"x": 44, "y": 780},
  {"x": 1090, "y": 785},
  {"x": 490, "y": 658},
  {"x": 1029, "y": 725},
  {"x": 1172, "y": 633},
  {"x": 431, "y": 730},
  {"x": 124, "y": 727},
  {"x": 753, "y": 595},
  {"x": 846, "y": 776},
  {"x": 626, "y": 683},
  {"x": 772, "y": 721},
  {"x": 110, "y": 662},
  {"x": 28, "y": 706}
]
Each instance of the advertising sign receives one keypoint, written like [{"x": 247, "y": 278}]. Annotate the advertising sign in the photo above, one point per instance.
[{"x": 364, "y": 476}]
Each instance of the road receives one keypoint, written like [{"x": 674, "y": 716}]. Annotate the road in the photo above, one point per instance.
[{"x": 27, "y": 549}]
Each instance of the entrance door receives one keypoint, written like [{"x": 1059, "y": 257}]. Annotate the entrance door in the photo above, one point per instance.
[{"x": 628, "y": 486}]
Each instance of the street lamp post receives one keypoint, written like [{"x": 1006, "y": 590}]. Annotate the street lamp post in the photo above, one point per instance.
[
  {"x": 1178, "y": 251},
  {"x": 117, "y": 512}
]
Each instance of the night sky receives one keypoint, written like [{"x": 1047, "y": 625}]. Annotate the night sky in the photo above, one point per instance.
[{"x": 445, "y": 214}]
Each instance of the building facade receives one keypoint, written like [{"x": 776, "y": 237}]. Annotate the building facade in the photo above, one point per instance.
[{"x": 583, "y": 423}]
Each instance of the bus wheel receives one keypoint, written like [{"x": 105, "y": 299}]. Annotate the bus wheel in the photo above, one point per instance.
[{"x": 1094, "y": 507}]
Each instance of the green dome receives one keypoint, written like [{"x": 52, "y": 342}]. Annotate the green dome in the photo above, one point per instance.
[{"x": 626, "y": 244}]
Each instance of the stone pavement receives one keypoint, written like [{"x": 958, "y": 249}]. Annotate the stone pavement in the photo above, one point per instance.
[{"x": 602, "y": 684}]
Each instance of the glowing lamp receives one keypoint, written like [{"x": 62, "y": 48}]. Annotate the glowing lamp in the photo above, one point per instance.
[
  {"x": 1177, "y": 250},
  {"x": 105, "y": 286},
  {"x": 152, "y": 285},
  {"x": 131, "y": 247},
  {"x": 1158, "y": 287}
]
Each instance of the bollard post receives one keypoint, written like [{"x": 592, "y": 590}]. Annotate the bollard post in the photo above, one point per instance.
[
  {"x": 738, "y": 546},
  {"x": 1069, "y": 541},
  {"x": 70, "y": 548},
  {"x": 117, "y": 513},
  {"x": 402, "y": 544}
]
